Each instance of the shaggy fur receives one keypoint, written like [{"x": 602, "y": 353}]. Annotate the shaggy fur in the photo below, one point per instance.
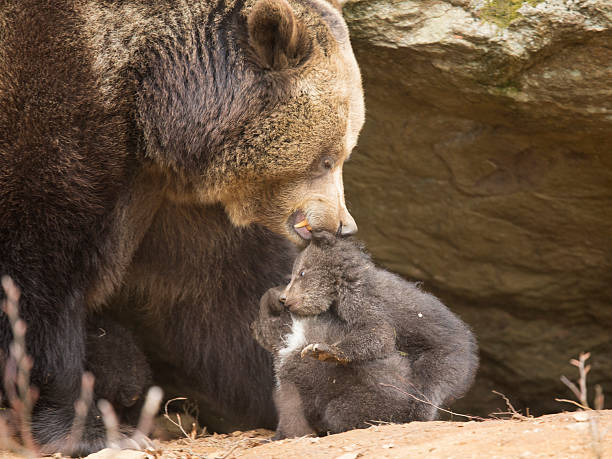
[
  {"x": 122, "y": 373},
  {"x": 191, "y": 307},
  {"x": 355, "y": 344},
  {"x": 148, "y": 150}
]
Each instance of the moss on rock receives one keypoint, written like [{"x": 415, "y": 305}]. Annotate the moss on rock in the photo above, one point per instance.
[{"x": 503, "y": 12}]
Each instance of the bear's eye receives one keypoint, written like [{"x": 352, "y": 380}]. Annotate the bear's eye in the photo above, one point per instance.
[
  {"x": 328, "y": 163},
  {"x": 302, "y": 273}
]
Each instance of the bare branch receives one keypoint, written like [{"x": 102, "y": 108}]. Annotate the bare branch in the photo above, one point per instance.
[
  {"x": 111, "y": 423},
  {"x": 581, "y": 392},
  {"x": 150, "y": 409},
  {"x": 427, "y": 402},
  {"x": 21, "y": 396},
  {"x": 178, "y": 424},
  {"x": 571, "y": 386},
  {"x": 81, "y": 408},
  {"x": 573, "y": 402},
  {"x": 599, "y": 398},
  {"x": 515, "y": 414}
]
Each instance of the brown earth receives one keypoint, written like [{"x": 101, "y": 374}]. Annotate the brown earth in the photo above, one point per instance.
[{"x": 563, "y": 435}]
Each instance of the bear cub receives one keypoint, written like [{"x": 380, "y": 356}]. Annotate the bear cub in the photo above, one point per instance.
[
  {"x": 354, "y": 344},
  {"x": 120, "y": 368}
]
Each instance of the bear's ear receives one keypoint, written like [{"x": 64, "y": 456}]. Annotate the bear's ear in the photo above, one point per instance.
[
  {"x": 278, "y": 39},
  {"x": 338, "y": 4}
]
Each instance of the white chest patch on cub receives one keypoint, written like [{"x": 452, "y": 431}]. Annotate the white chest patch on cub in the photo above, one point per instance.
[{"x": 295, "y": 340}]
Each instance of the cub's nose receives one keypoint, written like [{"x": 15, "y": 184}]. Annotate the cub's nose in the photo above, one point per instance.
[{"x": 282, "y": 298}]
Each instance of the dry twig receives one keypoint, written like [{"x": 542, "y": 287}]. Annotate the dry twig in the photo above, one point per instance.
[
  {"x": 111, "y": 423},
  {"x": 81, "y": 408},
  {"x": 178, "y": 422},
  {"x": 580, "y": 392},
  {"x": 21, "y": 396},
  {"x": 513, "y": 413},
  {"x": 427, "y": 402},
  {"x": 147, "y": 416},
  {"x": 583, "y": 371}
]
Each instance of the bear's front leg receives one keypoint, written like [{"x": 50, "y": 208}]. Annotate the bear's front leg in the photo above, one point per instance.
[
  {"x": 53, "y": 334},
  {"x": 55, "y": 340},
  {"x": 363, "y": 342}
]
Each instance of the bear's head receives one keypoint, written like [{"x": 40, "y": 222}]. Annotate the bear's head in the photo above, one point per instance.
[
  {"x": 299, "y": 143},
  {"x": 267, "y": 118}
]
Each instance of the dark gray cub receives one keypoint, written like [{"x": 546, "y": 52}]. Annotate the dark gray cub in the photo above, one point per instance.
[
  {"x": 354, "y": 344},
  {"x": 122, "y": 373}
]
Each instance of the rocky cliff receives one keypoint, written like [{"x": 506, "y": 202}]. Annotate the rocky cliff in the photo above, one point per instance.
[{"x": 485, "y": 170}]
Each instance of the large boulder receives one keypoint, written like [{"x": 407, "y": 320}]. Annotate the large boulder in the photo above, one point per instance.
[{"x": 485, "y": 170}]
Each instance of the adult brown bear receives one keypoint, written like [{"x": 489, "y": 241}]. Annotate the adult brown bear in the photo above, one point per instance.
[{"x": 155, "y": 158}]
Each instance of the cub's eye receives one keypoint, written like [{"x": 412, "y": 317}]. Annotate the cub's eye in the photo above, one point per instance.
[
  {"x": 302, "y": 273},
  {"x": 328, "y": 163}
]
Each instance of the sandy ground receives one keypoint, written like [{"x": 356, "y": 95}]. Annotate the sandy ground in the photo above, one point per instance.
[{"x": 564, "y": 435}]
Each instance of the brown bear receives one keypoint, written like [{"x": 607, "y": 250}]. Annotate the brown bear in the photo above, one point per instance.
[
  {"x": 355, "y": 344},
  {"x": 157, "y": 159}
]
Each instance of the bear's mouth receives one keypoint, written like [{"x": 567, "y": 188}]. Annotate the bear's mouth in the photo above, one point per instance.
[{"x": 300, "y": 225}]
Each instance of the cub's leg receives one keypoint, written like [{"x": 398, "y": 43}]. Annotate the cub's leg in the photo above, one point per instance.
[{"x": 291, "y": 417}]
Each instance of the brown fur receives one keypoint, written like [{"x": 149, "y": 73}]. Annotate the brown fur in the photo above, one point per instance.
[
  {"x": 148, "y": 150},
  {"x": 279, "y": 40}
]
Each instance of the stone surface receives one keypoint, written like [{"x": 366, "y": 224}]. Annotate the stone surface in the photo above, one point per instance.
[
  {"x": 109, "y": 453},
  {"x": 485, "y": 170}
]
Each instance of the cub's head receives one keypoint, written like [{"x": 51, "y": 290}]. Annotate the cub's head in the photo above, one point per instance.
[
  {"x": 325, "y": 271},
  {"x": 285, "y": 167}
]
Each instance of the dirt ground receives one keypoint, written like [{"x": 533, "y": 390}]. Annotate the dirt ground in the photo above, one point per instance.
[{"x": 564, "y": 435}]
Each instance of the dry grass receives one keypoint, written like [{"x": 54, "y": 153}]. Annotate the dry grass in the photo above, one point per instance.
[{"x": 580, "y": 391}]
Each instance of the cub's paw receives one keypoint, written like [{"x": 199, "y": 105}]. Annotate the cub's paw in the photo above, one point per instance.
[
  {"x": 270, "y": 304},
  {"x": 324, "y": 353}
]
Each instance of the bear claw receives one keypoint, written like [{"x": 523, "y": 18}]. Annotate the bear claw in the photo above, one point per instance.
[{"x": 323, "y": 353}]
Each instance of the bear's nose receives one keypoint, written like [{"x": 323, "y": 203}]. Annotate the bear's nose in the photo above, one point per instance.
[{"x": 347, "y": 228}]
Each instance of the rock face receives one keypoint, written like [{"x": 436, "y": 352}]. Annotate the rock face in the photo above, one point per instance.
[{"x": 485, "y": 170}]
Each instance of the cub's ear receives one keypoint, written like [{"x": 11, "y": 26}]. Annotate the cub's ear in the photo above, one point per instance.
[
  {"x": 324, "y": 239},
  {"x": 278, "y": 39}
]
